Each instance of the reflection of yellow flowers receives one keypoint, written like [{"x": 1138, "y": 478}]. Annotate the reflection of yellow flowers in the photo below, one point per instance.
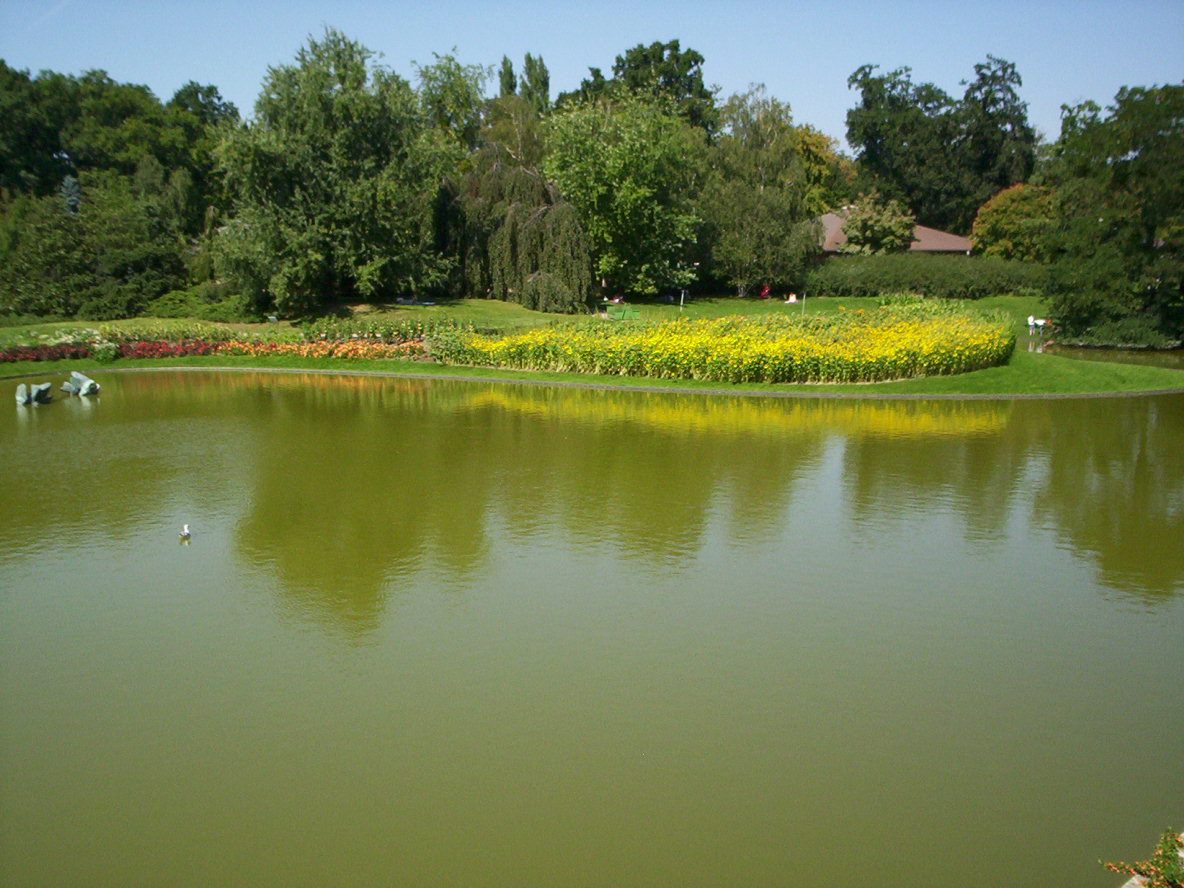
[
  {"x": 883, "y": 344},
  {"x": 754, "y": 416}
]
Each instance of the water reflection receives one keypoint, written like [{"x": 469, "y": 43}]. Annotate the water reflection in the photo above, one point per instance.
[
  {"x": 351, "y": 489},
  {"x": 1113, "y": 490}
]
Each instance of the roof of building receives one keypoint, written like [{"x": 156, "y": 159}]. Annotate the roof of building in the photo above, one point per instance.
[{"x": 925, "y": 240}]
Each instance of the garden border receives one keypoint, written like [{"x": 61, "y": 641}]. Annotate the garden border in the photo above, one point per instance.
[{"x": 650, "y": 389}]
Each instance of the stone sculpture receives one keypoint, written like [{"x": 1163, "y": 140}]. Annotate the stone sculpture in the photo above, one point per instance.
[
  {"x": 78, "y": 384},
  {"x": 35, "y": 393}
]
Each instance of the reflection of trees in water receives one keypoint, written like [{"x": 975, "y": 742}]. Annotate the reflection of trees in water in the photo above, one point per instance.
[
  {"x": 972, "y": 466},
  {"x": 360, "y": 483},
  {"x": 1115, "y": 489},
  {"x": 1106, "y": 474},
  {"x": 94, "y": 466}
]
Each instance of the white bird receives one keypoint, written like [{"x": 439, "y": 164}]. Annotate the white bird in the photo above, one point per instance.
[{"x": 185, "y": 531}]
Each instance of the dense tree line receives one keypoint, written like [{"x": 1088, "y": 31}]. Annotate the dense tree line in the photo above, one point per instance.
[{"x": 350, "y": 183}]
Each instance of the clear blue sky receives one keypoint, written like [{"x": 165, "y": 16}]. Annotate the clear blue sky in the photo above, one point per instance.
[{"x": 1066, "y": 50}]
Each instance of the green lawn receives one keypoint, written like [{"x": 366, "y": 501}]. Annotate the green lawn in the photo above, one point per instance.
[{"x": 487, "y": 314}]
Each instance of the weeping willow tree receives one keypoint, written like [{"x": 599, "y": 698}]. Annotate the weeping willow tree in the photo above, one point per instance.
[{"x": 516, "y": 239}]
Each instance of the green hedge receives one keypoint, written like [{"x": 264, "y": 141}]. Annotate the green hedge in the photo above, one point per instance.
[{"x": 949, "y": 277}]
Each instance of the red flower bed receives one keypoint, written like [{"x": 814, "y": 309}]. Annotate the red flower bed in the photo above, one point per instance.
[
  {"x": 43, "y": 352},
  {"x": 161, "y": 348}
]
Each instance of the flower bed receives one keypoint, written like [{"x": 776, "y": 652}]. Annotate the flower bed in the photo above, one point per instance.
[
  {"x": 893, "y": 342},
  {"x": 161, "y": 348}
]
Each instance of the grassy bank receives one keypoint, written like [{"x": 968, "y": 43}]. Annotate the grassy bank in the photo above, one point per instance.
[{"x": 1025, "y": 374}]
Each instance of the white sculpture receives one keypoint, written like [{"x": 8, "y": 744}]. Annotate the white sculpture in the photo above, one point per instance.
[{"x": 79, "y": 384}]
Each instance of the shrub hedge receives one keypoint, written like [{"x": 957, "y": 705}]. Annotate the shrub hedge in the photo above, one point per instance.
[{"x": 948, "y": 277}]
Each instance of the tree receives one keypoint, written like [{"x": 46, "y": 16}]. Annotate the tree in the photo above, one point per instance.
[
  {"x": 941, "y": 157},
  {"x": 1014, "y": 223},
  {"x": 829, "y": 175},
  {"x": 660, "y": 70},
  {"x": 1117, "y": 243},
  {"x": 1000, "y": 144},
  {"x": 105, "y": 260},
  {"x": 513, "y": 124},
  {"x": 335, "y": 184},
  {"x": 757, "y": 204},
  {"x": 31, "y": 158},
  {"x": 630, "y": 167},
  {"x": 535, "y": 87},
  {"x": 507, "y": 82},
  {"x": 453, "y": 96},
  {"x": 515, "y": 238},
  {"x": 876, "y": 226}
]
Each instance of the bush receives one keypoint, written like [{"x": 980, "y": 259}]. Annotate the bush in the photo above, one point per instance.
[
  {"x": 948, "y": 277},
  {"x": 1165, "y": 869},
  {"x": 207, "y": 301},
  {"x": 1134, "y": 331}
]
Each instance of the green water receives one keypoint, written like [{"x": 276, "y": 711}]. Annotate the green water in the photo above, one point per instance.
[{"x": 436, "y": 633}]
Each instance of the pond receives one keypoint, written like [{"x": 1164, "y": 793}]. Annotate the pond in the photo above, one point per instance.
[{"x": 445, "y": 633}]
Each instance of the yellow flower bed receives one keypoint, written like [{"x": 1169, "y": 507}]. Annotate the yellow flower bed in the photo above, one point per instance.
[{"x": 882, "y": 344}]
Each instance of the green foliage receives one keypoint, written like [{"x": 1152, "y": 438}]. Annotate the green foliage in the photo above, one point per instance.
[
  {"x": 756, "y": 202},
  {"x": 453, "y": 96},
  {"x": 507, "y": 81},
  {"x": 1014, "y": 224},
  {"x": 535, "y": 87},
  {"x": 949, "y": 277},
  {"x": 876, "y": 226},
  {"x": 335, "y": 184},
  {"x": 1117, "y": 247},
  {"x": 516, "y": 239},
  {"x": 207, "y": 301},
  {"x": 514, "y": 126},
  {"x": 1165, "y": 869},
  {"x": 106, "y": 261},
  {"x": 662, "y": 71},
  {"x": 31, "y": 156},
  {"x": 940, "y": 156},
  {"x": 629, "y": 166}
]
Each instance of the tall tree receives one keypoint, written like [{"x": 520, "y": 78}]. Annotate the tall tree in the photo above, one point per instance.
[
  {"x": 757, "y": 202},
  {"x": 941, "y": 157},
  {"x": 507, "y": 82},
  {"x": 515, "y": 238},
  {"x": 335, "y": 184},
  {"x": 31, "y": 157},
  {"x": 999, "y": 143},
  {"x": 630, "y": 166},
  {"x": 453, "y": 97},
  {"x": 1117, "y": 240},
  {"x": 662, "y": 70},
  {"x": 535, "y": 87}
]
